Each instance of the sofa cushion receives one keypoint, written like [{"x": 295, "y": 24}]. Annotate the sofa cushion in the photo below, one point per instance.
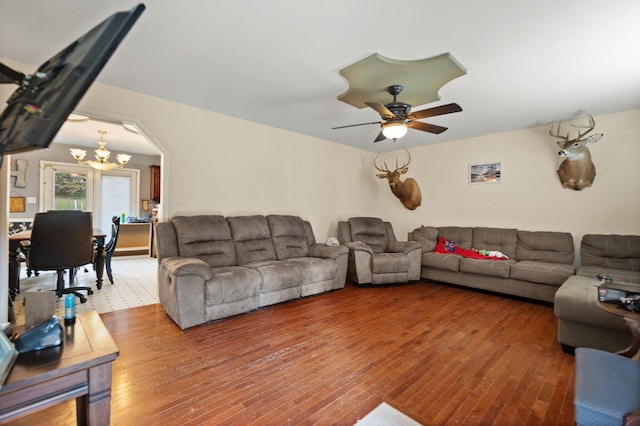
[
  {"x": 277, "y": 274},
  {"x": 448, "y": 262},
  {"x": 289, "y": 236},
  {"x": 554, "y": 247},
  {"x": 462, "y": 236},
  {"x": 500, "y": 239},
  {"x": 427, "y": 236},
  {"x": 206, "y": 237},
  {"x": 314, "y": 270},
  {"x": 542, "y": 272},
  {"x": 251, "y": 238},
  {"x": 371, "y": 231},
  {"x": 492, "y": 268},
  {"x": 611, "y": 251},
  {"x": 231, "y": 284}
]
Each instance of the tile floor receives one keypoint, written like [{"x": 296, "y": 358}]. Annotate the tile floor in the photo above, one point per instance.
[{"x": 134, "y": 285}]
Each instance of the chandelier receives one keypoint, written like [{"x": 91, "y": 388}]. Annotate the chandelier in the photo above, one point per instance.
[{"x": 102, "y": 156}]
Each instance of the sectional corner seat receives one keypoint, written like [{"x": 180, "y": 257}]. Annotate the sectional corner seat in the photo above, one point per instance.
[
  {"x": 581, "y": 322},
  {"x": 538, "y": 263},
  {"x": 211, "y": 267}
]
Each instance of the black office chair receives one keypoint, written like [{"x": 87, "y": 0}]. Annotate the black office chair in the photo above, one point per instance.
[
  {"x": 61, "y": 240},
  {"x": 110, "y": 247}
]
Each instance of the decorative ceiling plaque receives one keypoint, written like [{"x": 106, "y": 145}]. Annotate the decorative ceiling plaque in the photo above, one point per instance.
[{"x": 421, "y": 79}]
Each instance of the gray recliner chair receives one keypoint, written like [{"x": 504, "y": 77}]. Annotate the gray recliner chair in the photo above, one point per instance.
[{"x": 375, "y": 256}]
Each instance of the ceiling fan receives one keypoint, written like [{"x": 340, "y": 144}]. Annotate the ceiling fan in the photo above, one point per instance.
[{"x": 397, "y": 117}]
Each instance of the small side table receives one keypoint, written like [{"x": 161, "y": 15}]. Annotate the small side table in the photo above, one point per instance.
[{"x": 80, "y": 368}]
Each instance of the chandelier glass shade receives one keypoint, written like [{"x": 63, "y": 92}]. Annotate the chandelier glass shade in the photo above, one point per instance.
[
  {"x": 101, "y": 162},
  {"x": 394, "y": 130}
]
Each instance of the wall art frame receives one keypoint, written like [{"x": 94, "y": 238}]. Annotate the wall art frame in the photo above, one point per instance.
[{"x": 485, "y": 173}]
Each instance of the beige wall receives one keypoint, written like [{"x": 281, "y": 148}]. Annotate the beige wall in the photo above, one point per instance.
[
  {"x": 219, "y": 164},
  {"x": 531, "y": 196}
]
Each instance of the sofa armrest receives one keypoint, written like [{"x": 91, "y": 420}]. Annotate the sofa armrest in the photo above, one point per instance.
[
  {"x": 358, "y": 246},
  {"x": 184, "y": 266},
  {"x": 327, "y": 252},
  {"x": 404, "y": 246}
]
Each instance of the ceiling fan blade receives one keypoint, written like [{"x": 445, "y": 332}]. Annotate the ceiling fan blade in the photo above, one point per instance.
[
  {"x": 439, "y": 110},
  {"x": 426, "y": 127},
  {"x": 381, "y": 109},
  {"x": 354, "y": 125},
  {"x": 380, "y": 137}
]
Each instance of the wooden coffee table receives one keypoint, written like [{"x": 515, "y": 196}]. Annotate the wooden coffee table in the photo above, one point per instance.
[{"x": 80, "y": 369}]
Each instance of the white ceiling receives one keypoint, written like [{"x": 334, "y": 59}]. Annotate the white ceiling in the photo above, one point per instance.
[{"x": 276, "y": 62}]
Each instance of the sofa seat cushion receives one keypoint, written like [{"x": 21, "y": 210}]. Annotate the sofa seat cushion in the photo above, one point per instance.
[
  {"x": 492, "y": 268},
  {"x": 448, "y": 262},
  {"x": 278, "y": 274},
  {"x": 313, "y": 269},
  {"x": 617, "y": 274},
  {"x": 231, "y": 284},
  {"x": 542, "y": 272},
  {"x": 389, "y": 263}
]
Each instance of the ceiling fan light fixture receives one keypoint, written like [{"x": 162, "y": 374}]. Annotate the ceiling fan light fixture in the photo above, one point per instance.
[{"x": 394, "y": 130}]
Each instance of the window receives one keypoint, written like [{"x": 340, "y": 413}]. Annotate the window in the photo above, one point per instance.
[{"x": 65, "y": 186}]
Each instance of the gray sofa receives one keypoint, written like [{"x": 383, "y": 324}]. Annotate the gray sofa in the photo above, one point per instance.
[
  {"x": 375, "y": 256},
  {"x": 539, "y": 262},
  {"x": 211, "y": 267},
  {"x": 581, "y": 322}
]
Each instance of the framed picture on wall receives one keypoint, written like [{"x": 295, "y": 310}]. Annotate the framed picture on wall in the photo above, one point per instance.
[
  {"x": 485, "y": 173},
  {"x": 16, "y": 205}
]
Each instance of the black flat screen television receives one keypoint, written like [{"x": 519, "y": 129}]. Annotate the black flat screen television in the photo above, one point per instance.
[{"x": 38, "y": 108}]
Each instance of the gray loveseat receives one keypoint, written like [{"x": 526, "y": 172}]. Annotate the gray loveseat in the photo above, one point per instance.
[
  {"x": 539, "y": 262},
  {"x": 211, "y": 267},
  {"x": 581, "y": 322}
]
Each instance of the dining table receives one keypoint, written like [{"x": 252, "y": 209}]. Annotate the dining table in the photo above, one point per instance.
[{"x": 14, "y": 258}]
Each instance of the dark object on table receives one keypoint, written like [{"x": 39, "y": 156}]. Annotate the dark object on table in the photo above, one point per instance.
[
  {"x": 42, "y": 336},
  {"x": 616, "y": 292},
  {"x": 632, "y": 303}
]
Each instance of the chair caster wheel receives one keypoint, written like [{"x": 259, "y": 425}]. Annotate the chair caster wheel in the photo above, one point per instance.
[
  {"x": 83, "y": 300},
  {"x": 90, "y": 292}
]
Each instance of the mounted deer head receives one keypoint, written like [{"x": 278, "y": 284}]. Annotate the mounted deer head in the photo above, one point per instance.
[
  {"x": 408, "y": 192},
  {"x": 576, "y": 171}
]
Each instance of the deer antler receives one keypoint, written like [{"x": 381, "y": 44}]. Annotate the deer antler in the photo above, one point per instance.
[
  {"x": 386, "y": 169},
  {"x": 408, "y": 161},
  {"x": 589, "y": 127},
  {"x": 378, "y": 168}
]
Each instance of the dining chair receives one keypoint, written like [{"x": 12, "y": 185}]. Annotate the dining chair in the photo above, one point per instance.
[
  {"x": 61, "y": 240},
  {"x": 110, "y": 247}
]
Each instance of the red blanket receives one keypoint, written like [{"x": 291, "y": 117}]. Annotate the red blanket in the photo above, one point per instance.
[{"x": 445, "y": 246}]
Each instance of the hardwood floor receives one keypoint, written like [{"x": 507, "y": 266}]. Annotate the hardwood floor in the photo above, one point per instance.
[{"x": 443, "y": 355}]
